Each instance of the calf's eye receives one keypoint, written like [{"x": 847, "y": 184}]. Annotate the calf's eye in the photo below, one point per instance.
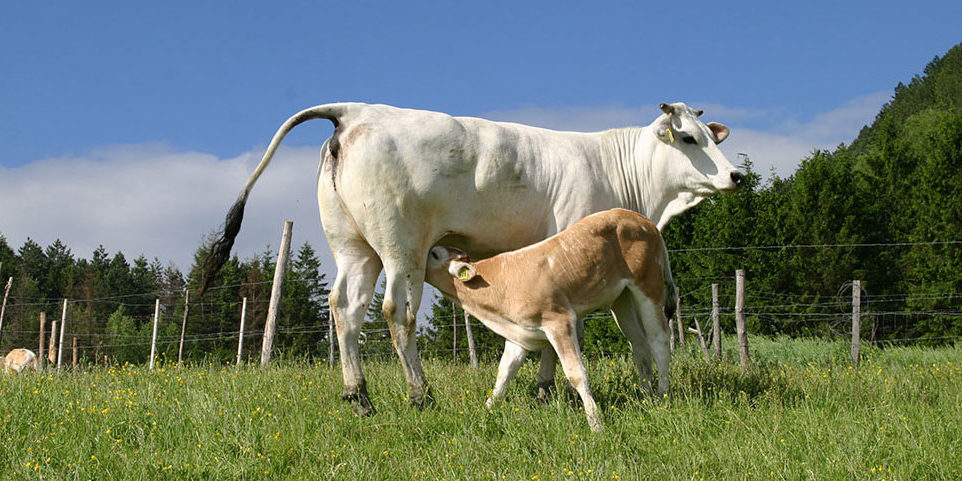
[{"x": 689, "y": 140}]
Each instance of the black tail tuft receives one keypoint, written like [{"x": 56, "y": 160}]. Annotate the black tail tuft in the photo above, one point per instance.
[
  {"x": 671, "y": 298},
  {"x": 220, "y": 250}
]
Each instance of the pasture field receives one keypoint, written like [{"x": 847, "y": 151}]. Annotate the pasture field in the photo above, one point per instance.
[{"x": 799, "y": 413}]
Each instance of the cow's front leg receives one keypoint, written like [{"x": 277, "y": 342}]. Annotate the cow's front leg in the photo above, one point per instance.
[
  {"x": 510, "y": 362},
  {"x": 402, "y": 298}
]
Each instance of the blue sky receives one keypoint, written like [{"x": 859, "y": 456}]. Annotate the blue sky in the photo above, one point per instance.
[{"x": 133, "y": 125}]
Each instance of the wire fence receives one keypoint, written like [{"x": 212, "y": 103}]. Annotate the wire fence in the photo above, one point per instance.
[{"x": 886, "y": 319}]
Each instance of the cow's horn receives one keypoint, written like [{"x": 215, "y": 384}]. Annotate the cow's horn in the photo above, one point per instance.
[{"x": 668, "y": 109}]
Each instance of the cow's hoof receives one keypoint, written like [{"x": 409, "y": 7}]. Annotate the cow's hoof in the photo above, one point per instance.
[
  {"x": 360, "y": 402},
  {"x": 421, "y": 398}
]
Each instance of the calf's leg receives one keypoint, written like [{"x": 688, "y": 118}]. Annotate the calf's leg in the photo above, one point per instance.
[
  {"x": 561, "y": 335},
  {"x": 549, "y": 358},
  {"x": 510, "y": 362}
]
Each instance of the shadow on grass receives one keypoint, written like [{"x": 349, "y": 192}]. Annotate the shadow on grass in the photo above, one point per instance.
[{"x": 617, "y": 385}]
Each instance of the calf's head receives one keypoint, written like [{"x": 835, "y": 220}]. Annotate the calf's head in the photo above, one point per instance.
[
  {"x": 447, "y": 262},
  {"x": 691, "y": 158}
]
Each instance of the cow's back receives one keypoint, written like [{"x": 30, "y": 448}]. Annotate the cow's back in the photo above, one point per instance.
[{"x": 484, "y": 187}]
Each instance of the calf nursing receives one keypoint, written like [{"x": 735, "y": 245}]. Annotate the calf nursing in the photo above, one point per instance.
[{"x": 534, "y": 296}]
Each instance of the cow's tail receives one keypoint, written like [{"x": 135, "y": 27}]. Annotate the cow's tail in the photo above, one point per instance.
[
  {"x": 671, "y": 291},
  {"x": 220, "y": 249}
]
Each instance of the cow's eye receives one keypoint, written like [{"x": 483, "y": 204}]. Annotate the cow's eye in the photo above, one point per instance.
[
  {"x": 689, "y": 140},
  {"x": 434, "y": 255}
]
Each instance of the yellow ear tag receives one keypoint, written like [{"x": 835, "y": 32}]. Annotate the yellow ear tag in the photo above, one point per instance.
[
  {"x": 464, "y": 274},
  {"x": 671, "y": 136}
]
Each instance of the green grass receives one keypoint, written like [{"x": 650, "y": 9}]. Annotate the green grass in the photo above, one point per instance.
[{"x": 799, "y": 413}]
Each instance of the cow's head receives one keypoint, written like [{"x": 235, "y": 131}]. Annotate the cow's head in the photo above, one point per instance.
[
  {"x": 687, "y": 159},
  {"x": 450, "y": 261},
  {"x": 694, "y": 152}
]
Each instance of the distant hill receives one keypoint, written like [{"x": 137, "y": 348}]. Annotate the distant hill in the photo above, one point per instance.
[{"x": 939, "y": 87}]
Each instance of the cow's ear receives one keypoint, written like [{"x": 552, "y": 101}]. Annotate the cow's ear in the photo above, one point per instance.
[
  {"x": 667, "y": 108},
  {"x": 719, "y": 131},
  {"x": 462, "y": 270}
]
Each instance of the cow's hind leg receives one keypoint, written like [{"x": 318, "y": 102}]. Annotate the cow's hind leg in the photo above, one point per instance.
[
  {"x": 562, "y": 336},
  {"x": 653, "y": 321},
  {"x": 629, "y": 322},
  {"x": 357, "y": 270},
  {"x": 402, "y": 298}
]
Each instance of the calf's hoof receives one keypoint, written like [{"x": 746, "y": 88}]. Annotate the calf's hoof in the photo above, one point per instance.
[
  {"x": 545, "y": 393},
  {"x": 596, "y": 426}
]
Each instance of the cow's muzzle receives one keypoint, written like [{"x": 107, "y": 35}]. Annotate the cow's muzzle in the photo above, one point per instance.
[{"x": 738, "y": 178}]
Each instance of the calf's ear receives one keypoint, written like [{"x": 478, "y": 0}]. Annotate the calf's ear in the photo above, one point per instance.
[
  {"x": 719, "y": 131},
  {"x": 462, "y": 270}
]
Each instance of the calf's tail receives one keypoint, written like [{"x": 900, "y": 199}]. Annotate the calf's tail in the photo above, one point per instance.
[{"x": 220, "y": 249}]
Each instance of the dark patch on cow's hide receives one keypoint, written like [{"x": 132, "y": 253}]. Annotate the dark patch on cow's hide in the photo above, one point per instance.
[{"x": 334, "y": 147}]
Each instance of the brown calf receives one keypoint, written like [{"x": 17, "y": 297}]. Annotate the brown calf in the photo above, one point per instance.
[{"x": 534, "y": 296}]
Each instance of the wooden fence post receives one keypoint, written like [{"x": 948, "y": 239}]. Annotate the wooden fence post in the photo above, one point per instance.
[
  {"x": 74, "y": 363},
  {"x": 715, "y": 322},
  {"x": 63, "y": 327},
  {"x": 330, "y": 336},
  {"x": 3, "y": 308},
  {"x": 153, "y": 338},
  {"x": 52, "y": 345},
  {"x": 680, "y": 325},
  {"x": 701, "y": 339},
  {"x": 240, "y": 336},
  {"x": 280, "y": 271},
  {"x": 740, "y": 317},
  {"x": 43, "y": 322},
  {"x": 183, "y": 327},
  {"x": 470, "y": 335},
  {"x": 856, "y": 319},
  {"x": 454, "y": 328},
  {"x": 671, "y": 335}
]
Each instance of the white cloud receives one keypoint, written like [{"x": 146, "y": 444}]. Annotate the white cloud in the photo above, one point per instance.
[{"x": 148, "y": 199}]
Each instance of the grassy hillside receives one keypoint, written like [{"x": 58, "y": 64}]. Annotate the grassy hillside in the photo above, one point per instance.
[{"x": 802, "y": 413}]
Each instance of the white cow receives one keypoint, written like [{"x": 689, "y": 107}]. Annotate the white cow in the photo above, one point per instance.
[
  {"x": 535, "y": 296},
  {"x": 18, "y": 360},
  {"x": 393, "y": 182}
]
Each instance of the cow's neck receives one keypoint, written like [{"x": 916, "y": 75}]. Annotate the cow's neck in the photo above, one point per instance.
[{"x": 636, "y": 183}]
